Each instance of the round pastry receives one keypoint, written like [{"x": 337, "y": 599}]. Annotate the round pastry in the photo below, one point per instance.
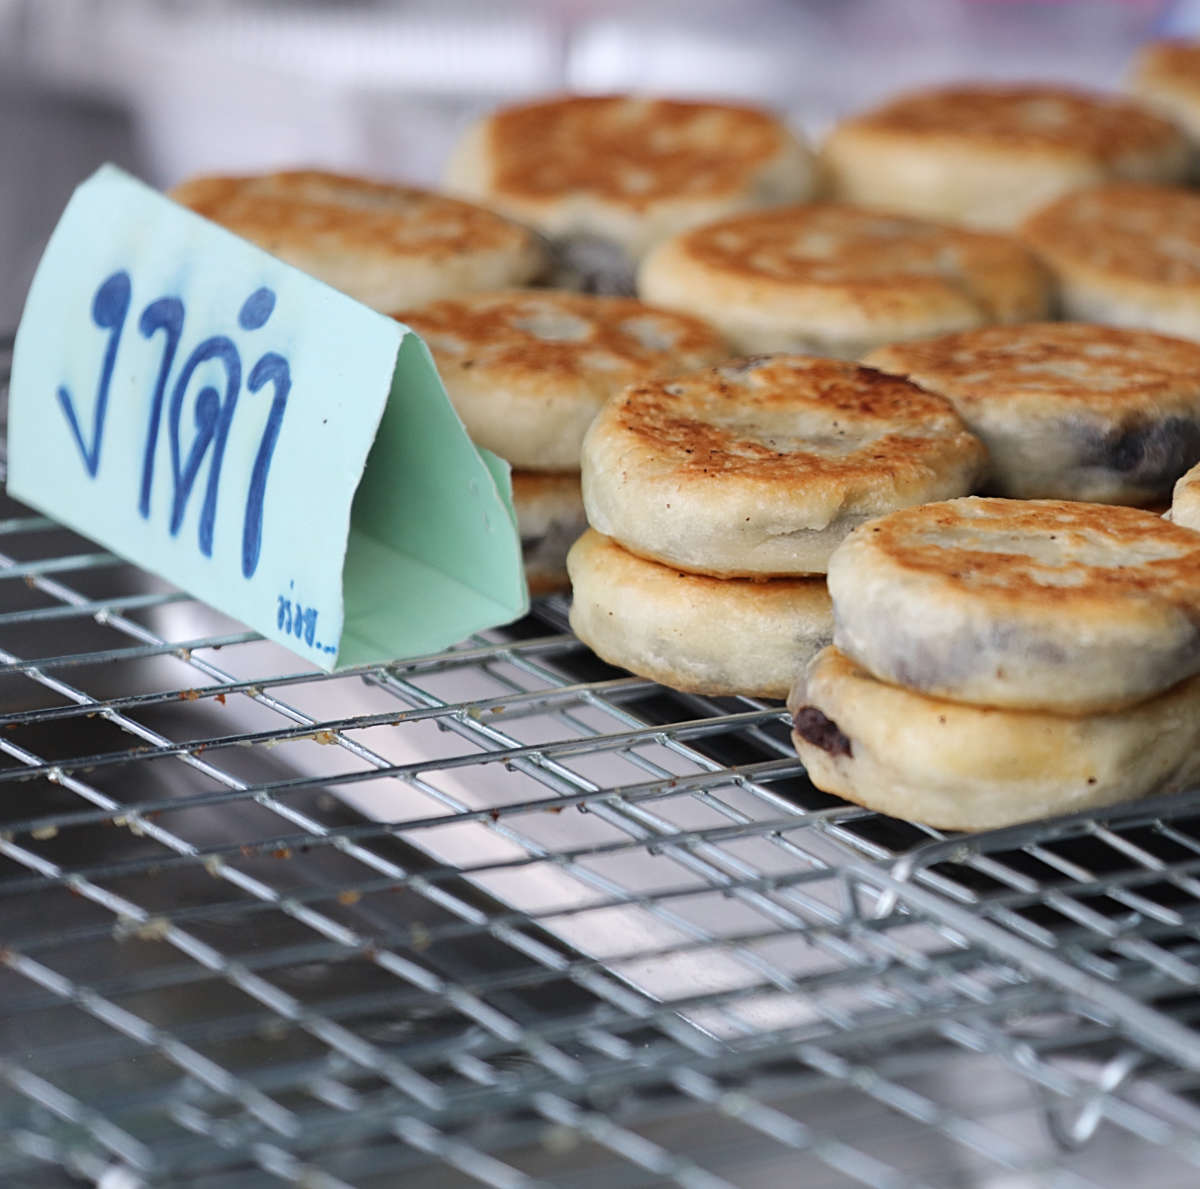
[
  {"x": 528, "y": 370},
  {"x": 703, "y": 635},
  {"x": 1126, "y": 254},
  {"x": 838, "y": 280},
  {"x": 387, "y": 246},
  {"x": 1029, "y": 604},
  {"x": 1166, "y": 74},
  {"x": 1067, "y": 410},
  {"x": 988, "y": 155},
  {"x": 960, "y": 767},
  {"x": 624, "y": 171},
  {"x": 1185, "y": 500},
  {"x": 761, "y": 466},
  {"x": 550, "y": 518}
]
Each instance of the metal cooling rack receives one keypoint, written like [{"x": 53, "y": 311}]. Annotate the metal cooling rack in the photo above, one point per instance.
[{"x": 506, "y": 916}]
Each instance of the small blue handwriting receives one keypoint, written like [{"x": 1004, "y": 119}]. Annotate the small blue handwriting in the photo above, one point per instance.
[
  {"x": 212, "y": 413},
  {"x": 294, "y": 619}
]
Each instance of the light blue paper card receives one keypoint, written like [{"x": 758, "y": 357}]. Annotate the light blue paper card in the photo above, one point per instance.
[{"x": 259, "y": 439}]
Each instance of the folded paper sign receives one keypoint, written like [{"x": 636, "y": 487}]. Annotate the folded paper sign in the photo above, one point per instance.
[{"x": 257, "y": 438}]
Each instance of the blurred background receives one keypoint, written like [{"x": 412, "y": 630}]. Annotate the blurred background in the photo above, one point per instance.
[{"x": 167, "y": 88}]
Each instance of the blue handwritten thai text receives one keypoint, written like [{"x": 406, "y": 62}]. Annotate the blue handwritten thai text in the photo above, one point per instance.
[{"x": 212, "y": 414}]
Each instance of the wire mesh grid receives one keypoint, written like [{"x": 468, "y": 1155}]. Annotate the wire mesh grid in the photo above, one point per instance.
[{"x": 507, "y": 916}]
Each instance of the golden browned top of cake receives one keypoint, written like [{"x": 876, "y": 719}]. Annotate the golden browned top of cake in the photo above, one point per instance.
[
  {"x": 1143, "y": 233},
  {"x": 1060, "y": 361},
  {"x": 548, "y": 339},
  {"x": 882, "y": 263},
  {"x": 1048, "y": 119},
  {"x": 795, "y": 421},
  {"x": 1167, "y": 66},
  {"x": 386, "y": 245},
  {"x": 629, "y": 150},
  {"x": 1037, "y": 552},
  {"x": 313, "y": 208}
]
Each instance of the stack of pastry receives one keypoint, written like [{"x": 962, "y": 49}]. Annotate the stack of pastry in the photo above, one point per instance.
[
  {"x": 716, "y": 499},
  {"x": 1000, "y": 660},
  {"x": 527, "y": 371}
]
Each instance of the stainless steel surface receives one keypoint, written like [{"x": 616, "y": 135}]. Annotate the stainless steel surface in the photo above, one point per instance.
[{"x": 506, "y": 916}]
